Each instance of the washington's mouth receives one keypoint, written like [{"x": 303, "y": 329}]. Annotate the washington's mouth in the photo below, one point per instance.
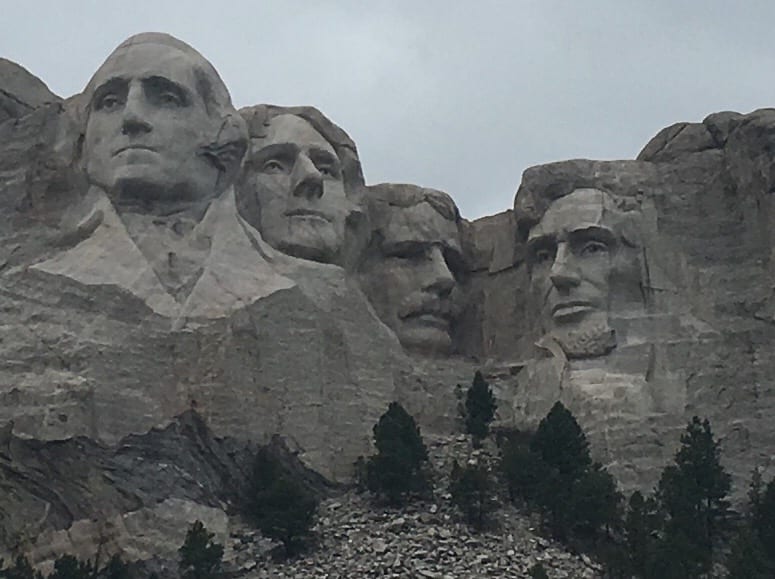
[
  {"x": 569, "y": 310},
  {"x": 134, "y": 148}
]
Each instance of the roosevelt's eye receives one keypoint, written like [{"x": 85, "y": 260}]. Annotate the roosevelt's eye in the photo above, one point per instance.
[{"x": 273, "y": 166}]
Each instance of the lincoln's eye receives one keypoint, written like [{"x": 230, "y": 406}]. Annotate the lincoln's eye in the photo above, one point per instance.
[
  {"x": 591, "y": 248},
  {"x": 273, "y": 166}
]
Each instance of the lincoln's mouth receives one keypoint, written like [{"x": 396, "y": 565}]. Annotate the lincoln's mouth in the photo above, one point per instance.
[
  {"x": 308, "y": 214},
  {"x": 569, "y": 310},
  {"x": 134, "y": 148}
]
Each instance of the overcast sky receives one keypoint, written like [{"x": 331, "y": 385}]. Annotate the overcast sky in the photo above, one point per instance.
[{"x": 457, "y": 95}]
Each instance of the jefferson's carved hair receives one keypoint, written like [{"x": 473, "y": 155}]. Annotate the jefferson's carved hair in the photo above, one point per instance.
[{"x": 258, "y": 118}]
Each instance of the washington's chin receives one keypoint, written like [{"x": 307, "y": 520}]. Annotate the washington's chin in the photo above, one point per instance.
[{"x": 425, "y": 337}]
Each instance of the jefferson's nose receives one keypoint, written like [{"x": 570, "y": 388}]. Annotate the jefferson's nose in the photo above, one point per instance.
[
  {"x": 135, "y": 121},
  {"x": 440, "y": 279},
  {"x": 564, "y": 274},
  {"x": 306, "y": 180}
]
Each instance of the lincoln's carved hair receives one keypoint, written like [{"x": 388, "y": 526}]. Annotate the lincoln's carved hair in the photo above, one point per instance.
[
  {"x": 229, "y": 140},
  {"x": 258, "y": 118},
  {"x": 543, "y": 185}
]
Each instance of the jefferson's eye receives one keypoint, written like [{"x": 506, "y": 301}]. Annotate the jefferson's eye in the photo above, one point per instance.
[
  {"x": 542, "y": 256},
  {"x": 594, "y": 248},
  {"x": 273, "y": 166}
]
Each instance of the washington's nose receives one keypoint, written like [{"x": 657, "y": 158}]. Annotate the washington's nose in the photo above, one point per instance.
[
  {"x": 563, "y": 274},
  {"x": 307, "y": 180},
  {"x": 440, "y": 279},
  {"x": 134, "y": 122}
]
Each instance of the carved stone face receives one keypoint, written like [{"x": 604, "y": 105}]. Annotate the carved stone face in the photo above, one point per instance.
[
  {"x": 299, "y": 190},
  {"x": 147, "y": 123},
  {"x": 577, "y": 261},
  {"x": 411, "y": 278}
]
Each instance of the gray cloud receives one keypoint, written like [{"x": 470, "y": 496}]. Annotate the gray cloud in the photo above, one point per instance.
[{"x": 457, "y": 96}]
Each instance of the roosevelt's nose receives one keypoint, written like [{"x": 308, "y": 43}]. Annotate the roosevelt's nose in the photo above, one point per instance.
[
  {"x": 440, "y": 279},
  {"x": 135, "y": 120},
  {"x": 564, "y": 274},
  {"x": 306, "y": 180}
]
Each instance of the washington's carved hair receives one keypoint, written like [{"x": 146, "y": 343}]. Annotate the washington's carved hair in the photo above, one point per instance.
[{"x": 229, "y": 140}]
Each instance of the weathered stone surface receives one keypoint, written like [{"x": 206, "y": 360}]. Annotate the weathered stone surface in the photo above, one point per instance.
[
  {"x": 137, "y": 283},
  {"x": 21, "y": 92}
]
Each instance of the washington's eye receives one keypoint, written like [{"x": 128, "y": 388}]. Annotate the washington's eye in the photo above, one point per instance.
[
  {"x": 273, "y": 166},
  {"x": 169, "y": 98},
  {"x": 108, "y": 102},
  {"x": 591, "y": 248}
]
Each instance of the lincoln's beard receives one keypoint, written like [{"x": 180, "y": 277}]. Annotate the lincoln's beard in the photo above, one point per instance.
[{"x": 589, "y": 338}]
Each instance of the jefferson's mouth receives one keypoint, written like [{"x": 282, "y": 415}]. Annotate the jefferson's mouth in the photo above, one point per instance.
[{"x": 134, "y": 147}]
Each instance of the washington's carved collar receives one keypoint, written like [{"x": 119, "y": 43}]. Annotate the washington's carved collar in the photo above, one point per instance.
[{"x": 181, "y": 269}]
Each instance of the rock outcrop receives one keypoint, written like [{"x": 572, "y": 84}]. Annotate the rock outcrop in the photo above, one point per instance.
[{"x": 179, "y": 288}]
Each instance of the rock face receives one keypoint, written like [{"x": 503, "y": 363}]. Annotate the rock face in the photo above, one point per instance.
[{"x": 181, "y": 282}]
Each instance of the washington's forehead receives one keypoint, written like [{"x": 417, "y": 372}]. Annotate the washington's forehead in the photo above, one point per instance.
[
  {"x": 295, "y": 130},
  {"x": 146, "y": 60},
  {"x": 582, "y": 209}
]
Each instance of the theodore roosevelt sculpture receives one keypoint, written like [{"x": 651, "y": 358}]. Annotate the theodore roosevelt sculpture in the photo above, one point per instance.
[
  {"x": 410, "y": 267},
  {"x": 162, "y": 146}
]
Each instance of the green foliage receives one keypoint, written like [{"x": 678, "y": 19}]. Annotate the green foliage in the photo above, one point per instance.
[
  {"x": 561, "y": 443},
  {"x": 115, "y": 569},
  {"x": 470, "y": 490},
  {"x": 396, "y": 471},
  {"x": 763, "y": 519},
  {"x": 21, "y": 569},
  {"x": 537, "y": 571},
  {"x": 523, "y": 470},
  {"x": 69, "y": 567},
  {"x": 200, "y": 556},
  {"x": 692, "y": 494},
  {"x": 480, "y": 408},
  {"x": 748, "y": 558},
  {"x": 280, "y": 506}
]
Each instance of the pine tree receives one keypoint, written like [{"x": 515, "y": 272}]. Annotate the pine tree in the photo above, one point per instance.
[
  {"x": 763, "y": 519},
  {"x": 537, "y": 571},
  {"x": 470, "y": 490},
  {"x": 200, "y": 556},
  {"x": 693, "y": 496},
  {"x": 479, "y": 409},
  {"x": 21, "y": 569},
  {"x": 396, "y": 471},
  {"x": 523, "y": 470},
  {"x": 115, "y": 569},
  {"x": 561, "y": 443},
  {"x": 281, "y": 507},
  {"x": 69, "y": 567}
]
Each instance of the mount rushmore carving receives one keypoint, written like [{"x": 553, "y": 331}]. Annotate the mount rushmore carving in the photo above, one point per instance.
[{"x": 163, "y": 251}]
